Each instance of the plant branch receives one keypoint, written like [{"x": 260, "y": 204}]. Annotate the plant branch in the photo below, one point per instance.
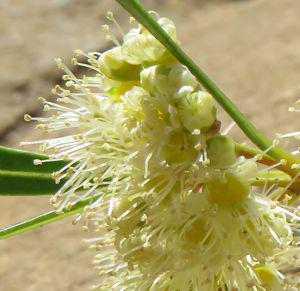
[{"x": 249, "y": 152}]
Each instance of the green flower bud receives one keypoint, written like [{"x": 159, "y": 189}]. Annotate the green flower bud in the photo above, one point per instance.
[
  {"x": 167, "y": 79},
  {"x": 138, "y": 50},
  {"x": 168, "y": 26},
  {"x": 197, "y": 111},
  {"x": 230, "y": 190},
  {"x": 155, "y": 79},
  {"x": 141, "y": 47},
  {"x": 220, "y": 151},
  {"x": 112, "y": 65}
]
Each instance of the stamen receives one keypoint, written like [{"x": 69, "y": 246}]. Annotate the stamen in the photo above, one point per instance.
[
  {"x": 110, "y": 16},
  {"x": 228, "y": 128}
]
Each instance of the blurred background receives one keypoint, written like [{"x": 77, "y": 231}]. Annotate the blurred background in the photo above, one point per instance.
[{"x": 251, "y": 48}]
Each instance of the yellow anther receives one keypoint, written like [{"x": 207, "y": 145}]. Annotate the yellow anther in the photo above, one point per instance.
[
  {"x": 69, "y": 83},
  {"x": 105, "y": 28},
  {"x": 78, "y": 52},
  {"x": 42, "y": 99},
  {"x": 27, "y": 117},
  {"x": 74, "y": 61},
  {"x": 131, "y": 20},
  {"x": 59, "y": 63},
  {"x": 283, "y": 162},
  {"x": 110, "y": 15}
]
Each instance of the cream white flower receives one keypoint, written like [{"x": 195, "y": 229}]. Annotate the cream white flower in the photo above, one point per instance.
[
  {"x": 140, "y": 46},
  {"x": 168, "y": 80},
  {"x": 177, "y": 210}
]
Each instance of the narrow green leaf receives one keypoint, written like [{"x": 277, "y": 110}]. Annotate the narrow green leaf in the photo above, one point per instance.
[
  {"x": 140, "y": 14},
  {"x": 45, "y": 218},
  {"x": 17, "y": 160},
  {"x": 27, "y": 183},
  {"x": 19, "y": 175}
]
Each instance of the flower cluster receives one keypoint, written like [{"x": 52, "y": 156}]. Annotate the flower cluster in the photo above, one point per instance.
[{"x": 177, "y": 209}]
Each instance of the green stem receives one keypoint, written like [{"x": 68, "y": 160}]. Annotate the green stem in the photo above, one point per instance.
[
  {"x": 273, "y": 177},
  {"x": 280, "y": 178},
  {"x": 249, "y": 152},
  {"x": 45, "y": 218},
  {"x": 138, "y": 12}
]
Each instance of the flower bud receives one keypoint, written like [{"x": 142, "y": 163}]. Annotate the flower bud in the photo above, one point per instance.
[
  {"x": 140, "y": 46},
  {"x": 220, "y": 151},
  {"x": 168, "y": 26},
  {"x": 154, "y": 79},
  {"x": 197, "y": 111},
  {"x": 112, "y": 65},
  {"x": 167, "y": 79}
]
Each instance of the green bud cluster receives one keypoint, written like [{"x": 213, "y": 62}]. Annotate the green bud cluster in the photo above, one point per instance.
[{"x": 221, "y": 151}]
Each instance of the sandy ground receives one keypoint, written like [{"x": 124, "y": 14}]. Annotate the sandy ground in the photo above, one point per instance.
[{"x": 250, "y": 48}]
